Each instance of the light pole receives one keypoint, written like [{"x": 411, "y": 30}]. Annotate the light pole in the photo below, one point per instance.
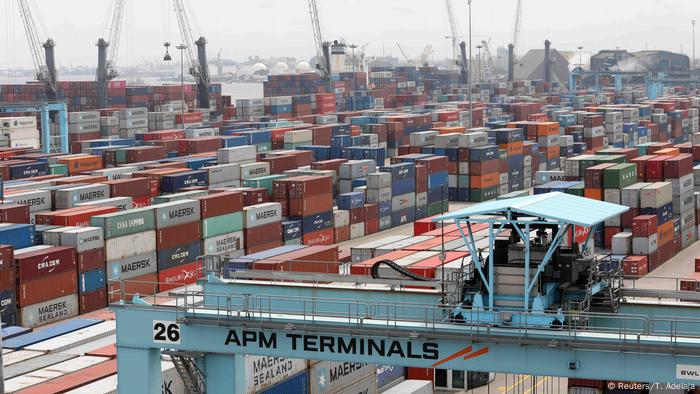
[
  {"x": 182, "y": 48},
  {"x": 478, "y": 62},
  {"x": 469, "y": 73},
  {"x": 580, "y": 56},
  {"x": 353, "y": 46},
  {"x": 692, "y": 67}
]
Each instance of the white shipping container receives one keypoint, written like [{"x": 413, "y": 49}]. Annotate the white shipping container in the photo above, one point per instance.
[
  {"x": 171, "y": 383},
  {"x": 644, "y": 245},
  {"x": 18, "y": 122},
  {"x": 341, "y": 218},
  {"x": 51, "y": 372},
  {"x": 255, "y": 170},
  {"x": 37, "y": 200},
  {"x": 261, "y": 214},
  {"x": 412, "y": 387},
  {"x": 422, "y": 138},
  {"x": 365, "y": 251},
  {"x": 130, "y": 245},
  {"x": 365, "y": 386},
  {"x": 656, "y": 195},
  {"x": 176, "y": 212},
  {"x": 379, "y": 180},
  {"x": 114, "y": 173},
  {"x": 223, "y": 244},
  {"x": 622, "y": 243},
  {"x": 236, "y": 154},
  {"x": 357, "y": 230},
  {"x": 266, "y": 371},
  {"x": 82, "y": 239},
  {"x": 473, "y": 139},
  {"x": 298, "y": 136},
  {"x": 223, "y": 173},
  {"x": 17, "y": 356},
  {"x": 121, "y": 203},
  {"x": 76, "y": 338},
  {"x": 82, "y": 117}
]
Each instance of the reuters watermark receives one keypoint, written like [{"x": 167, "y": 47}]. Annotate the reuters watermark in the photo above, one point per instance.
[{"x": 649, "y": 386}]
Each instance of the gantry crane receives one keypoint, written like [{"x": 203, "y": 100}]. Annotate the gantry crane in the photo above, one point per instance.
[
  {"x": 106, "y": 61},
  {"x": 323, "y": 56},
  {"x": 199, "y": 68},
  {"x": 489, "y": 60},
  {"x": 517, "y": 25},
  {"x": 408, "y": 60},
  {"x": 44, "y": 63},
  {"x": 455, "y": 34},
  {"x": 427, "y": 52}
]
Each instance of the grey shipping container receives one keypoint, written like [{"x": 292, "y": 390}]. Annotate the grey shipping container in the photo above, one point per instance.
[
  {"x": 50, "y": 311},
  {"x": 67, "y": 198},
  {"x": 329, "y": 377},
  {"x": 176, "y": 212},
  {"x": 261, "y": 214},
  {"x": 132, "y": 266},
  {"x": 83, "y": 239}
]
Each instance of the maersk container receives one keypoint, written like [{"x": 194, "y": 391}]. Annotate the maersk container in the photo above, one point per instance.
[
  {"x": 53, "y": 331},
  {"x": 82, "y": 239},
  {"x": 133, "y": 266},
  {"x": 118, "y": 224},
  {"x": 18, "y": 235},
  {"x": 261, "y": 214},
  {"x": 67, "y": 198},
  {"x": 266, "y": 372},
  {"x": 173, "y": 182},
  {"x": 37, "y": 200},
  {"x": 365, "y": 386},
  {"x": 176, "y": 212},
  {"x": 255, "y": 170},
  {"x": 130, "y": 245},
  {"x": 331, "y": 377},
  {"x": 223, "y": 244},
  {"x": 115, "y": 172},
  {"x": 76, "y": 338},
  {"x": 91, "y": 281},
  {"x": 366, "y": 250},
  {"x": 179, "y": 255},
  {"x": 171, "y": 383},
  {"x": 50, "y": 311},
  {"x": 317, "y": 222},
  {"x": 121, "y": 203},
  {"x": 219, "y": 225}
]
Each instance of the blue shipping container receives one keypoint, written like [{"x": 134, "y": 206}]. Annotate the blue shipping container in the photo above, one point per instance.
[
  {"x": 18, "y": 235},
  {"x": 352, "y": 200},
  {"x": 174, "y": 182},
  {"x": 403, "y": 186},
  {"x": 178, "y": 255},
  {"x": 20, "y": 171},
  {"x": 298, "y": 384},
  {"x": 387, "y": 374},
  {"x": 92, "y": 280},
  {"x": 403, "y": 216},
  {"x": 400, "y": 170},
  {"x": 53, "y": 331},
  {"x": 13, "y": 331},
  {"x": 317, "y": 222},
  {"x": 291, "y": 229}
]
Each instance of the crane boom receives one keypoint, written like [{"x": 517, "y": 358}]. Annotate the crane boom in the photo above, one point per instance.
[
  {"x": 44, "y": 63},
  {"x": 404, "y": 53},
  {"x": 517, "y": 24},
  {"x": 115, "y": 31},
  {"x": 322, "y": 60},
  {"x": 198, "y": 67},
  {"x": 455, "y": 33},
  {"x": 489, "y": 60}
]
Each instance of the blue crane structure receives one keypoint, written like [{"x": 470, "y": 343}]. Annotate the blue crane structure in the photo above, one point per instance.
[
  {"x": 44, "y": 109},
  {"x": 531, "y": 306}
]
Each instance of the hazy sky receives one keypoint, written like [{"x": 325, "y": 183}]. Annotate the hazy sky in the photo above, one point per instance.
[{"x": 282, "y": 27}]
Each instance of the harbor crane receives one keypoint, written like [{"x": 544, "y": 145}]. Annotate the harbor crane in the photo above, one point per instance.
[
  {"x": 489, "y": 60},
  {"x": 323, "y": 56},
  {"x": 199, "y": 69},
  {"x": 107, "y": 51},
  {"x": 517, "y": 24},
  {"x": 455, "y": 34},
  {"x": 44, "y": 63}
]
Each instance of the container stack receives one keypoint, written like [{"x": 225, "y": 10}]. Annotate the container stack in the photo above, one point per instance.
[
  {"x": 133, "y": 121},
  {"x": 178, "y": 242},
  {"x": 353, "y": 174},
  {"x": 84, "y": 126},
  {"x": 47, "y": 284},
  {"x": 263, "y": 226},
  {"x": 222, "y": 224},
  {"x": 19, "y": 132},
  {"x": 310, "y": 200},
  {"x": 8, "y": 291},
  {"x": 248, "y": 109},
  {"x": 403, "y": 192},
  {"x": 89, "y": 243},
  {"x": 161, "y": 121},
  {"x": 379, "y": 192},
  {"x": 354, "y": 204}
]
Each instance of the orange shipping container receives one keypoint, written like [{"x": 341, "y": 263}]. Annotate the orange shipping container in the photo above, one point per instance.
[
  {"x": 513, "y": 148},
  {"x": 594, "y": 194},
  {"x": 668, "y": 152},
  {"x": 547, "y": 128},
  {"x": 77, "y": 164},
  {"x": 484, "y": 181},
  {"x": 665, "y": 232}
]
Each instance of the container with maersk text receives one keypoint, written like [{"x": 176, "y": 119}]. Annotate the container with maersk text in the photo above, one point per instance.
[
  {"x": 264, "y": 372},
  {"x": 176, "y": 212},
  {"x": 329, "y": 377},
  {"x": 50, "y": 311},
  {"x": 262, "y": 214}
]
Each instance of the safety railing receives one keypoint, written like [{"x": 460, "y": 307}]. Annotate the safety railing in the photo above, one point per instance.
[{"x": 303, "y": 313}]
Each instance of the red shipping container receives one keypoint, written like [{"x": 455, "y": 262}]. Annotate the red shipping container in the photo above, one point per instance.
[
  {"x": 178, "y": 235},
  {"x": 422, "y": 226},
  {"x": 188, "y": 146},
  {"x": 641, "y": 165},
  {"x": 609, "y": 233},
  {"x": 697, "y": 264},
  {"x": 47, "y": 287},
  {"x": 189, "y": 117},
  {"x": 627, "y": 217},
  {"x": 218, "y": 204},
  {"x": 129, "y": 187},
  {"x": 655, "y": 167},
  {"x": 371, "y": 212},
  {"x": 144, "y": 153},
  {"x": 140, "y": 202},
  {"x": 91, "y": 260},
  {"x": 307, "y": 186},
  {"x": 434, "y": 164},
  {"x": 321, "y": 237},
  {"x": 280, "y": 164},
  {"x": 635, "y": 265},
  {"x": 421, "y": 179},
  {"x": 179, "y": 276},
  {"x": 413, "y": 373},
  {"x": 342, "y": 234},
  {"x": 92, "y": 301},
  {"x": 644, "y": 225},
  {"x": 254, "y": 196},
  {"x": 594, "y": 175},
  {"x": 7, "y": 259},
  {"x": 357, "y": 215},
  {"x": 678, "y": 166},
  {"x": 262, "y": 247},
  {"x": 144, "y": 285},
  {"x": 371, "y": 226},
  {"x": 7, "y": 279},
  {"x": 264, "y": 234},
  {"x": 14, "y": 213},
  {"x": 310, "y": 205},
  {"x": 333, "y": 164},
  {"x": 317, "y": 258},
  {"x": 80, "y": 217},
  {"x": 45, "y": 262}
]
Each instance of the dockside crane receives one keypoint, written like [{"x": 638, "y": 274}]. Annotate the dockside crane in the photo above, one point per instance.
[
  {"x": 489, "y": 60},
  {"x": 199, "y": 68},
  {"x": 455, "y": 34},
  {"x": 323, "y": 55},
  {"x": 107, "y": 51},
  {"x": 44, "y": 63},
  {"x": 517, "y": 25}
]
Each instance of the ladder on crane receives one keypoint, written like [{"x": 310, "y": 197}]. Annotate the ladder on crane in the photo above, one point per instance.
[
  {"x": 198, "y": 67},
  {"x": 185, "y": 365}
]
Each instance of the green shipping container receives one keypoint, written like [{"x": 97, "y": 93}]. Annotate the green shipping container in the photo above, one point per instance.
[
  {"x": 58, "y": 169},
  {"x": 438, "y": 208},
  {"x": 122, "y": 223},
  {"x": 179, "y": 196},
  {"x": 481, "y": 195},
  {"x": 619, "y": 176},
  {"x": 263, "y": 181},
  {"x": 220, "y": 225},
  {"x": 644, "y": 148},
  {"x": 264, "y": 147},
  {"x": 576, "y": 190}
]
